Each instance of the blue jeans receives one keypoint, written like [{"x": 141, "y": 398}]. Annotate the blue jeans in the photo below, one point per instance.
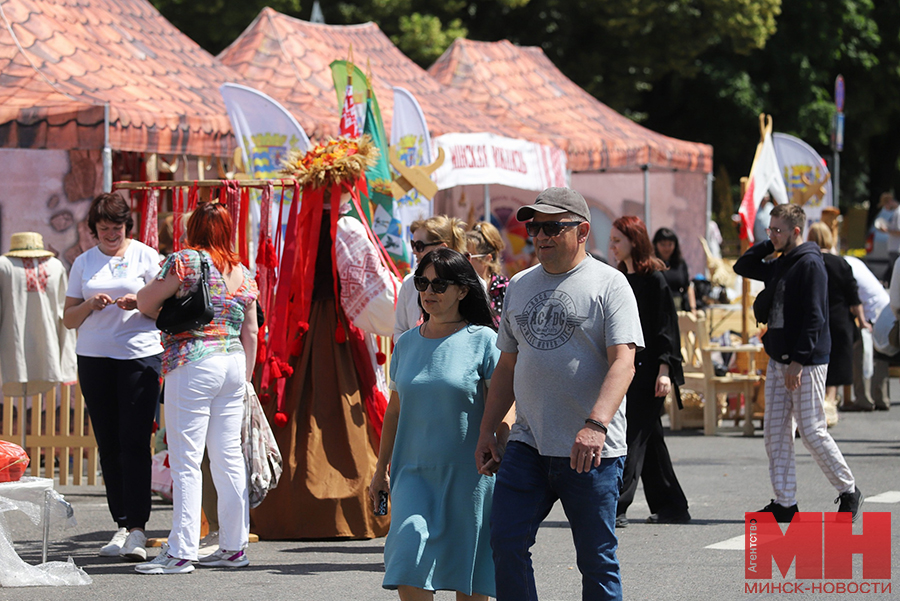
[{"x": 528, "y": 484}]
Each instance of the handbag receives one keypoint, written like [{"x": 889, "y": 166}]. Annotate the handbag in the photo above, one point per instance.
[
  {"x": 261, "y": 453},
  {"x": 191, "y": 311}
]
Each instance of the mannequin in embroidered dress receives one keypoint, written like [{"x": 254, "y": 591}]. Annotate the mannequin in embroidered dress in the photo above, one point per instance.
[{"x": 32, "y": 293}]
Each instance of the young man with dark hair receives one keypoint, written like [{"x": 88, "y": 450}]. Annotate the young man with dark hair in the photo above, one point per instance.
[{"x": 798, "y": 344}]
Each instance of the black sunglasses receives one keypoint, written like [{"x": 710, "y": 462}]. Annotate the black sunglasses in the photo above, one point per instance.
[
  {"x": 419, "y": 246},
  {"x": 551, "y": 228},
  {"x": 438, "y": 286}
]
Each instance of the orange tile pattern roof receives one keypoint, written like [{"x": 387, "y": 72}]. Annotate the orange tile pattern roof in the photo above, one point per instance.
[
  {"x": 62, "y": 60},
  {"x": 522, "y": 86},
  {"x": 289, "y": 60}
]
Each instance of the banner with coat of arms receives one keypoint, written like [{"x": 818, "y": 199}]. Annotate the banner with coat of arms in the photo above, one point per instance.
[
  {"x": 805, "y": 175},
  {"x": 412, "y": 142},
  {"x": 266, "y": 133}
]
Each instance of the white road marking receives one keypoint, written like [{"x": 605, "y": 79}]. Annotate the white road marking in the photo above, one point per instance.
[
  {"x": 732, "y": 544},
  {"x": 891, "y": 496}
]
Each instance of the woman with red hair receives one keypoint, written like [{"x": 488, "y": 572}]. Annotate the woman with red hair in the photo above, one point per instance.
[
  {"x": 205, "y": 371},
  {"x": 657, "y": 370}
]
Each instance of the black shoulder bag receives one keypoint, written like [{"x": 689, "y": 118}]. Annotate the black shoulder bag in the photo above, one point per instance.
[{"x": 191, "y": 311}]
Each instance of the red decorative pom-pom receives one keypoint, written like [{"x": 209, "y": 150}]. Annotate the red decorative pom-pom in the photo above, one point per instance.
[
  {"x": 339, "y": 335},
  {"x": 281, "y": 419},
  {"x": 271, "y": 259},
  {"x": 276, "y": 370},
  {"x": 302, "y": 327},
  {"x": 381, "y": 358},
  {"x": 264, "y": 398},
  {"x": 287, "y": 370}
]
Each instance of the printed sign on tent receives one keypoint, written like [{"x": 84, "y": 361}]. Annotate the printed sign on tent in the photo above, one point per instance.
[{"x": 482, "y": 158}]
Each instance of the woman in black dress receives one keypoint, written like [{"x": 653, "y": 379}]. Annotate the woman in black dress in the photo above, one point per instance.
[
  {"x": 657, "y": 370},
  {"x": 665, "y": 243},
  {"x": 843, "y": 304}
]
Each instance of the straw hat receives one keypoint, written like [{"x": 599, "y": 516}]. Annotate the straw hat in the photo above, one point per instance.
[{"x": 27, "y": 245}]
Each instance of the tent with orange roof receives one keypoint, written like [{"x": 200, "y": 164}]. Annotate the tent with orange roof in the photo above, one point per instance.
[
  {"x": 78, "y": 77},
  {"x": 616, "y": 163},
  {"x": 289, "y": 59},
  {"x": 64, "y": 61}
]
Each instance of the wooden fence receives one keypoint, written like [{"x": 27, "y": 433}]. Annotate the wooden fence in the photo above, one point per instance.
[
  {"x": 53, "y": 428},
  {"x": 55, "y": 431}
]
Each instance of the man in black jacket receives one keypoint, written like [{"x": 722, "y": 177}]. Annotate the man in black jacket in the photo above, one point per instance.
[{"x": 798, "y": 344}]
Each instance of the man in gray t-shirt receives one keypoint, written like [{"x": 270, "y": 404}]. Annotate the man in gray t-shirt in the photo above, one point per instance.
[{"x": 568, "y": 334}]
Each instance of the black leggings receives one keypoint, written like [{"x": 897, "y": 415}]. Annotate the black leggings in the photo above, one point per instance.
[{"x": 121, "y": 396}]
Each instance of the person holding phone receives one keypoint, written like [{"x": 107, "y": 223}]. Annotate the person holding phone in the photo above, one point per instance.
[
  {"x": 439, "y": 537},
  {"x": 119, "y": 362}
]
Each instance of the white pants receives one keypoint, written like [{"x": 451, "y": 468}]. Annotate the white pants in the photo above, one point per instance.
[
  {"x": 204, "y": 408},
  {"x": 801, "y": 408}
]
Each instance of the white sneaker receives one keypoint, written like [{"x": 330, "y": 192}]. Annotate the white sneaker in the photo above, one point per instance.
[
  {"x": 133, "y": 549},
  {"x": 209, "y": 544},
  {"x": 165, "y": 564},
  {"x": 115, "y": 544},
  {"x": 225, "y": 559}
]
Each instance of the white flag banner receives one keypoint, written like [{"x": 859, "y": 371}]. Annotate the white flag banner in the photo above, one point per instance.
[
  {"x": 805, "y": 175},
  {"x": 482, "y": 158},
  {"x": 266, "y": 133},
  {"x": 765, "y": 177},
  {"x": 410, "y": 138}
]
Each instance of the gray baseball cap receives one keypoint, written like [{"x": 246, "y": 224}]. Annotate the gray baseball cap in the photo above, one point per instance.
[{"x": 556, "y": 200}]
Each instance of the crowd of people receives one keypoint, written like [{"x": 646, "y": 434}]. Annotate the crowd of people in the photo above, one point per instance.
[{"x": 507, "y": 395}]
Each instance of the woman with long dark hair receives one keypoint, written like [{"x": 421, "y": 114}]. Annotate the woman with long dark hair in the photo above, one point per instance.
[
  {"x": 657, "y": 369},
  {"x": 668, "y": 250},
  {"x": 437, "y": 231},
  {"x": 439, "y": 537},
  {"x": 206, "y": 371}
]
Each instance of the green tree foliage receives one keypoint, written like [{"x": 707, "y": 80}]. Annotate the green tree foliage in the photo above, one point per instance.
[
  {"x": 700, "y": 70},
  {"x": 618, "y": 49},
  {"x": 792, "y": 79}
]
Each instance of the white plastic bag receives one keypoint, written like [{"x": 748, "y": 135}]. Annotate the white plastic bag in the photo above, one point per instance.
[{"x": 30, "y": 495}]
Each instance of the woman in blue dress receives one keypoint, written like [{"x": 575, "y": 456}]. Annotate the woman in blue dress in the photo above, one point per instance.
[{"x": 439, "y": 537}]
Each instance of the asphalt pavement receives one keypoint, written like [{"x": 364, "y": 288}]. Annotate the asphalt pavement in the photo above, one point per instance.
[{"x": 723, "y": 476}]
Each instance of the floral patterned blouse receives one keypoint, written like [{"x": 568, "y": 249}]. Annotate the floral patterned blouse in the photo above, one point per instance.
[{"x": 222, "y": 334}]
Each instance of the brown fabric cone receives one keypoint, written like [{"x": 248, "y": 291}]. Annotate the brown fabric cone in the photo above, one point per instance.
[{"x": 329, "y": 457}]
